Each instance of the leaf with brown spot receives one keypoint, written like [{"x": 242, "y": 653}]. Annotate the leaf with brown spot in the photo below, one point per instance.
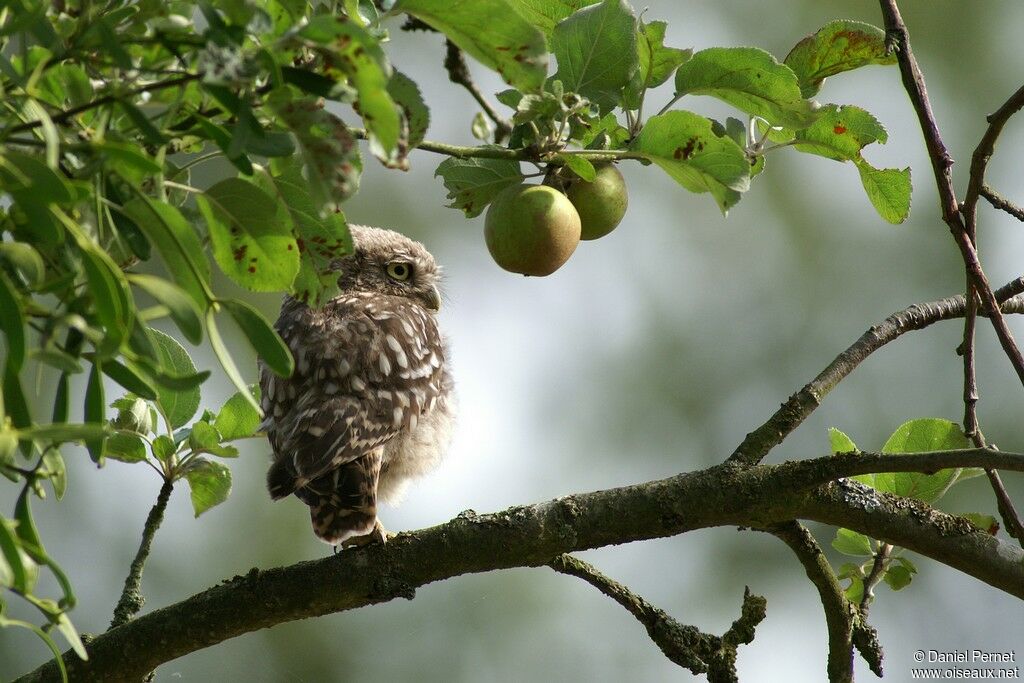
[{"x": 836, "y": 47}]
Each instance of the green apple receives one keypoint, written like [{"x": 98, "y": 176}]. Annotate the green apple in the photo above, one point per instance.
[
  {"x": 601, "y": 204},
  {"x": 531, "y": 229}
]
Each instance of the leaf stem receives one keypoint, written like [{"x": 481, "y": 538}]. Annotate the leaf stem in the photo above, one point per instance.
[{"x": 131, "y": 596}]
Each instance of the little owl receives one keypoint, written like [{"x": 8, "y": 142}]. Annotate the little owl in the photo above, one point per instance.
[{"x": 370, "y": 404}]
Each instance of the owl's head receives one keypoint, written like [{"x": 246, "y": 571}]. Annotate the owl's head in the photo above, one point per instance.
[{"x": 386, "y": 262}]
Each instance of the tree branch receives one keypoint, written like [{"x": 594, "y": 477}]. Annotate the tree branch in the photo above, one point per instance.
[
  {"x": 685, "y": 645},
  {"x": 533, "y": 535},
  {"x": 458, "y": 73},
  {"x": 1001, "y": 202},
  {"x": 838, "y": 610},
  {"x": 132, "y": 599},
  {"x": 913, "y": 83},
  {"x": 800, "y": 405}
]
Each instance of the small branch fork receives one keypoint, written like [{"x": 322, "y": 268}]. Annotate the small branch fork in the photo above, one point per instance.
[
  {"x": 458, "y": 73},
  {"x": 962, "y": 223},
  {"x": 685, "y": 645}
]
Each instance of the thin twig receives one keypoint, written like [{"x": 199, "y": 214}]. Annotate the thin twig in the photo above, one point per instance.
[
  {"x": 800, "y": 405},
  {"x": 131, "y": 596},
  {"x": 685, "y": 645},
  {"x": 63, "y": 116},
  {"x": 1011, "y": 518},
  {"x": 875, "y": 575},
  {"x": 1000, "y": 202},
  {"x": 986, "y": 147},
  {"x": 458, "y": 73},
  {"x": 942, "y": 162}
]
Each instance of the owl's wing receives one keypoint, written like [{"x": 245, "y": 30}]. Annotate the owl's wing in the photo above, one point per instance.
[{"x": 363, "y": 372}]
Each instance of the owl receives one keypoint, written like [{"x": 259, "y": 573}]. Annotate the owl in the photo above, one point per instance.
[{"x": 370, "y": 404}]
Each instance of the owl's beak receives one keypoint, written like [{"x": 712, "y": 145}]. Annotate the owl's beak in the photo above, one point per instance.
[{"x": 434, "y": 299}]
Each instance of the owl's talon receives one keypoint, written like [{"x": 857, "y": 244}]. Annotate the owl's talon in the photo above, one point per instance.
[{"x": 378, "y": 535}]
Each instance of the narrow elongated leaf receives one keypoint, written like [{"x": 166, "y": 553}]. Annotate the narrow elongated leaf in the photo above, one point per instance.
[
  {"x": 224, "y": 356},
  {"x": 14, "y": 400},
  {"x": 492, "y": 32},
  {"x": 95, "y": 412},
  {"x": 26, "y": 259},
  {"x": 22, "y": 173},
  {"x": 20, "y": 569},
  {"x": 178, "y": 405},
  {"x": 836, "y": 47},
  {"x": 685, "y": 146},
  {"x": 473, "y": 183},
  {"x": 751, "y": 80},
  {"x": 210, "y": 484},
  {"x": 125, "y": 375},
  {"x": 12, "y": 322},
  {"x": 251, "y": 244},
  {"x": 889, "y": 190},
  {"x": 177, "y": 242},
  {"x": 596, "y": 51},
  {"x": 262, "y": 336},
  {"x": 109, "y": 290},
  {"x": 55, "y": 470},
  {"x": 180, "y": 305},
  {"x": 67, "y": 629},
  {"x": 145, "y": 127}
]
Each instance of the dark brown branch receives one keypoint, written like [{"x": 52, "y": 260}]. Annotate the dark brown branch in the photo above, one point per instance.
[
  {"x": 913, "y": 83},
  {"x": 685, "y": 645},
  {"x": 132, "y": 599},
  {"x": 800, "y": 405},
  {"x": 64, "y": 116},
  {"x": 1008, "y": 513},
  {"x": 1000, "y": 202},
  {"x": 839, "y": 615},
  {"x": 458, "y": 73},
  {"x": 983, "y": 152},
  {"x": 876, "y": 574},
  {"x": 532, "y": 535}
]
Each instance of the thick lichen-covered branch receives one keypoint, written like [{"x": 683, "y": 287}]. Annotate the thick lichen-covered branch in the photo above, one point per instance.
[
  {"x": 685, "y": 645},
  {"x": 533, "y": 535}
]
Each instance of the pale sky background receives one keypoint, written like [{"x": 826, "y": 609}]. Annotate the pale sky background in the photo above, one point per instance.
[{"x": 653, "y": 351}]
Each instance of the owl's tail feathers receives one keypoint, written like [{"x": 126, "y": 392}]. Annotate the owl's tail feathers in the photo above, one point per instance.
[
  {"x": 343, "y": 502},
  {"x": 281, "y": 479}
]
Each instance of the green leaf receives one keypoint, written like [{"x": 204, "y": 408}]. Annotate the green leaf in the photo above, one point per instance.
[
  {"x": 684, "y": 145},
  {"x": 95, "y": 412},
  {"x": 330, "y": 154},
  {"x": 205, "y": 438},
  {"x": 597, "y": 52},
  {"x": 126, "y": 448},
  {"x": 210, "y": 483},
  {"x": 17, "y": 569},
  {"x": 177, "y": 405},
  {"x": 27, "y": 261},
  {"x": 580, "y": 166},
  {"x": 177, "y": 242},
  {"x": 250, "y": 243},
  {"x": 840, "y": 133},
  {"x": 751, "y": 80},
  {"x": 841, "y": 443},
  {"x": 656, "y": 62},
  {"x": 128, "y": 157},
  {"x": 224, "y": 356},
  {"x": 473, "y": 183},
  {"x": 492, "y": 32},
  {"x": 889, "y": 190},
  {"x": 12, "y": 322},
  {"x": 14, "y": 399},
  {"x": 321, "y": 241},
  {"x": 109, "y": 290},
  {"x": 986, "y": 523},
  {"x": 898, "y": 576},
  {"x": 180, "y": 305},
  {"x": 129, "y": 378},
  {"x": 164, "y": 448},
  {"x": 67, "y": 629},
  {"x": 545, "y": 14},
  {"x": 357, "y": 56},
  {"x": 852, "y": 543},
  {"x": 855, "y": 591},
  {"x": 55, "y": 470},
  {"x": 261, "y": 334},
  {"x": 836, "y": 47},
  {"x": 237, "y": 418},
  {"x": 61, "y": 432},
  {"x": 921, "y": 436},
  {"x": 406, "y": 94},
  {"x": 146, "y": 129},
  {"x": 22, "y": 174}
]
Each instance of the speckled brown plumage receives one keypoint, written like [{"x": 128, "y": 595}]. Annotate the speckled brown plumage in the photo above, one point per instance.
[{"x": 370, "y": 404}]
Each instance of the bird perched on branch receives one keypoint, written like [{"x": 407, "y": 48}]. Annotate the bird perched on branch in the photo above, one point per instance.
[{"x": 370, "y": 404}]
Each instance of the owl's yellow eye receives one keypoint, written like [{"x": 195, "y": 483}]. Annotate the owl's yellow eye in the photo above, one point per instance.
[{"x": 399, "y": 270}]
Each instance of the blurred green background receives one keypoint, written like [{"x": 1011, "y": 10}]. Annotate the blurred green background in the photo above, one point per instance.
[{"x": 654, "y": 351}]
